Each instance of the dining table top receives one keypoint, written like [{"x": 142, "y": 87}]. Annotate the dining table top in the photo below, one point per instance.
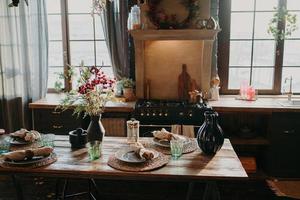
[{"x": 225, "y": 165}]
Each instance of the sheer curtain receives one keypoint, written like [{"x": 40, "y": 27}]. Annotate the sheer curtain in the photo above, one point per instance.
[
  {"x": 23, "y": 60},
  {"x": 114, "y": 21}
]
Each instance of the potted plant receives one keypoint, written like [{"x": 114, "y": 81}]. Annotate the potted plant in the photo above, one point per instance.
[
  {"x": 282, "y": 16},
  {"x": 128, "y": 85}
]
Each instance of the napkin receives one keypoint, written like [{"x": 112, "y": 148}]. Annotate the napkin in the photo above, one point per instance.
[
  {"x": 29, "y": 136},
  {"x": 143, "y": 152},
  {"x": 20, "y": 155},
  {"x": 163, "y": 134}
]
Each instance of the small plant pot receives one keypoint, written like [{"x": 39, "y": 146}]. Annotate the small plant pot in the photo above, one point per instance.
[{"x": 128, "y": 93}]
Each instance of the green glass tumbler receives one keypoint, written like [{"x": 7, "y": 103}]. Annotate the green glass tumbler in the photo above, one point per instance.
[
  {"x": 94, "y": 149},
  {"x": 176, "y": 148}
]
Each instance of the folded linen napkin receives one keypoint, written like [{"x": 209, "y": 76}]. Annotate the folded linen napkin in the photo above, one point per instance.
[
  {"x": 143, "y": 152},
  {"x": 20, "y": 155},
  {"x": 29, "y": 136},
  {"x": 188, "y": 131},
  {"x": 163, "y": 134}
]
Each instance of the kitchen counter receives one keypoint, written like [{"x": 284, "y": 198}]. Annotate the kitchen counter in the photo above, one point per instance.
[
  {"x": 264, "y": 103},
  {"x": 227, "y": 103},
  {"x": 53, "y": 99}
]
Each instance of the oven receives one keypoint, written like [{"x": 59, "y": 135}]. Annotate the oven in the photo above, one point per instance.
[{"x": 157, "y": 114}]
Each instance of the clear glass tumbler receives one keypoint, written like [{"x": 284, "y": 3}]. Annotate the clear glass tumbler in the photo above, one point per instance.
[
  {"x": 176, "y": 148},
  {"x": 4, "y": 145},
  {"x": 47, "y": 140}
]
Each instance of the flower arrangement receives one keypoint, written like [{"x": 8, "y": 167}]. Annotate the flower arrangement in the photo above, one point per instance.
[{"x": 94, "y": 91}]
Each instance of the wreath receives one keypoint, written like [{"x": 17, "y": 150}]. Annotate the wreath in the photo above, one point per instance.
[{"x": 163, "y": 20}]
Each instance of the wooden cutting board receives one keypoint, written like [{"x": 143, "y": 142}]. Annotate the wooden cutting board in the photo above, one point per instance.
[{"x": 184, "y": 84}]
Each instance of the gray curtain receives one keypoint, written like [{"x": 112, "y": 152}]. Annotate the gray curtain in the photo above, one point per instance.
[
  {"x": 114, "y": 21},
  {"x": 214, "y": 9},
  {"x": 23, "y": 60}
]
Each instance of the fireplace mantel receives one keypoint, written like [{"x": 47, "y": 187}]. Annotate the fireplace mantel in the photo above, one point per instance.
[
  {"x": 183, "y": 34},
  {"x": 159, "y": 55}
]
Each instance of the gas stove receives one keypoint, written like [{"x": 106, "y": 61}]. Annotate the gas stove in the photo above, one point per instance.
[{"x": 162, "y": 112}]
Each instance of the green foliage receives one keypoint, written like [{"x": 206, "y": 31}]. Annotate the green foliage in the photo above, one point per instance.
[
  {"x": 127, "y": 82},
  {"x": 282, "y": 16}
]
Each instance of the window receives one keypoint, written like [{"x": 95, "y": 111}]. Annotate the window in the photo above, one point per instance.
[
  {"x": 248, "y": 53},
  {"x": 74, "y": 36}
]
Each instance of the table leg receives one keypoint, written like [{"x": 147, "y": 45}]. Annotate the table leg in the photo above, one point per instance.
[
  {"x": 18, "y": 187},
  {"x": 190, "y": 191},
  {"x": 211, "y": 191}
]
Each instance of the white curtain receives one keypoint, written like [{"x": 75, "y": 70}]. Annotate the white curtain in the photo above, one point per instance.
[{"x": 23, "y": 60}]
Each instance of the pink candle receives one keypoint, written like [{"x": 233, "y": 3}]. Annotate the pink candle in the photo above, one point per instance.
[{"x": 250, "y": 93}]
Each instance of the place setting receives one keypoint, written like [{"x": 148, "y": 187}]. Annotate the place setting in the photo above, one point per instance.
[
  {"x": 25, "y": 148},
  {"x": 167, "y": 143},
  {"x": 136, "y": 158}
]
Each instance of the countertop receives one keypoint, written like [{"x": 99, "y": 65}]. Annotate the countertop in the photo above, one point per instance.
[
  {"x": 227, "y": 103},
  {"x": 53, "y": 99}
]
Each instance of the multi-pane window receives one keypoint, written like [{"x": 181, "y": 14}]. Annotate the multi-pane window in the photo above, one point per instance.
[
  {"x": 291, "y": 56},
  {"x": 252, "y": 49},
  {"x": 248, "y": 53},
  {"x": 74, "y": 36}
]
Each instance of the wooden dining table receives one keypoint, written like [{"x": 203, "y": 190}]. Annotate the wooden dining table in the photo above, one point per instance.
[{"x": 192, "y": 167}]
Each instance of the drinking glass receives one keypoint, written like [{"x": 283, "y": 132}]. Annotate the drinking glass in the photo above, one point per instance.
[
  {"x": 176, "y": 148},
  {"x": 4, "y": 145},
  {"x": 94, "y": 149},
  {"x": 47, "y": 140}
]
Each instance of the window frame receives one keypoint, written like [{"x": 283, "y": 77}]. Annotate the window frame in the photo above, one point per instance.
[
  {"x": 224, "y": 51},
  {"x": 66, "y": 44}
]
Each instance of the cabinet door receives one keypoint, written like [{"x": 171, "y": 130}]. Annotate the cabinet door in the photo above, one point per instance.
[
  {"x": 283, "y": 158},
  {"x": 51, "y": 121}
]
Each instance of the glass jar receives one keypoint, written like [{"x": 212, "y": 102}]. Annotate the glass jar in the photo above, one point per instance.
[{"x": 133, "y": 132}]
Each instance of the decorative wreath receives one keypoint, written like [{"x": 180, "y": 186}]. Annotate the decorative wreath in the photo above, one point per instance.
[{"x": 162, "y": 20}]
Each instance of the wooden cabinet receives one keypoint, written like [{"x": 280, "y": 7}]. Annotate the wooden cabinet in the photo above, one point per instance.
[
  {"x": 60, "y": 123},
  {"x": 282, "y": 155}
]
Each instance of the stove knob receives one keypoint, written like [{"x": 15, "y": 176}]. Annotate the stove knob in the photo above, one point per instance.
[
  {"x": 166, "y": 114},
  {"x": 160, "y": 114},
  {"x": 148, "y": 114},
  {"x": 153, "y": 114},
  {"x": 142, "y": 114},
  {"x": 181, "y": 113},
  {"x": 191, "y": 114}
]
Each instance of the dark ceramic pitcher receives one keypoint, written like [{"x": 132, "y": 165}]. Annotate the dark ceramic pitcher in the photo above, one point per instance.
[{"x": 210, "y": 136}]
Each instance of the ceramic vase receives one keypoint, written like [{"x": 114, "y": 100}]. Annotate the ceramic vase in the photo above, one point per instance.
[
  {"x": 95, "y": 131},
  {"x": 210, "y": 136}
]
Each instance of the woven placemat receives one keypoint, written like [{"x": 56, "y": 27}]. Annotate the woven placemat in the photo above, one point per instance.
[
  {"x": 156, "y": 163},
  {"x": 188, "y": 147},
  {"x": 43, "y": 162}
]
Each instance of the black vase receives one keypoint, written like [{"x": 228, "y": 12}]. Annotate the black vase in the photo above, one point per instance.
[
  {"x": 95, "y": 131},
  {"x": 210, "y": 136}
]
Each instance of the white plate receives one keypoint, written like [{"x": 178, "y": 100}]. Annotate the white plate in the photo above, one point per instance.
[
  {"x": 18, "y": 141},
  {"x": 128, "y": 155}
]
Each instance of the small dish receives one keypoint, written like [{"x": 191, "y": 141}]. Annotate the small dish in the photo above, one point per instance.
[
  {"x": 33, "y": 160},
  {"x": 129, "y": 155}
]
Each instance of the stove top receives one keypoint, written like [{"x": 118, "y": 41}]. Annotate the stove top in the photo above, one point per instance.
[{"x": 169, "y": 112}]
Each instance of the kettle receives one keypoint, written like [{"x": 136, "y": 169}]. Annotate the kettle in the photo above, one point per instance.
[{"x": 78, "y": 138}]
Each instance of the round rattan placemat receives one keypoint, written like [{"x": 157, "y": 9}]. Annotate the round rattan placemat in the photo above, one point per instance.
[
  {"x": 43, "y": 162},
  {"x": 189, "y": 147},
  {"x": 156, "y": 163}
]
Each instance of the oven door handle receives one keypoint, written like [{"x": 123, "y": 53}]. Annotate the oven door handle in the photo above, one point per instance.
[{"x": 152, "y": 125}]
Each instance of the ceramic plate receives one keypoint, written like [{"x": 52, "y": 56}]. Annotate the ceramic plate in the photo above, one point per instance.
[
  {"x": 128, "y": 155},
  {"x": 166, "y": 143},
  {"x": 34, "y": 160},
  {"x": 18, "y": 141}
]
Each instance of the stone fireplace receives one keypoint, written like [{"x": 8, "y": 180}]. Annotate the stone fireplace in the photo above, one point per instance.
[{"x": 160, "y": 54}]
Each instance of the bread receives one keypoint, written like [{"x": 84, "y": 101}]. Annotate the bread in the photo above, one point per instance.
[
  {"x": 15, "y": 155},
  {"x": 142, "y": 152},
  {"x": 20, "y": 133},
  {"x": 43, "y": 151}
]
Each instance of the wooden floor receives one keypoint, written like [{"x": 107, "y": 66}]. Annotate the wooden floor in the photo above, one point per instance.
[{"x": 44, "y": 188}]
